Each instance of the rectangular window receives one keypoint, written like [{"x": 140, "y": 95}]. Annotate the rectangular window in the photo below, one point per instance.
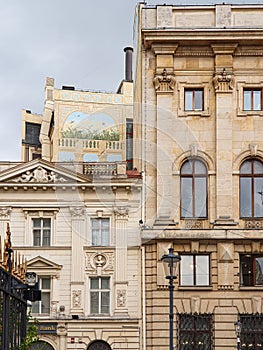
[
  {"x": 251, "y": 331},
  {"x": 195, "y": 331},
  {"x": 43, "y": 306},
  {"x": 194, "y": 270},
  {"x": 194, "y": 99},
  {"x": 129, "y": 143},
  {"x": 41, "y": 232},
  {"x": 100, "y": 295},
  {"x": 251, "y": 268},
  {"x": 100, "y": 231},
  {"x": 252, "y": 99}
]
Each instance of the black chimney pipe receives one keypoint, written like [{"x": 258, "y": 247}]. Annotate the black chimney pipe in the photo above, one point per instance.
[{"x": 128, "y": 63}]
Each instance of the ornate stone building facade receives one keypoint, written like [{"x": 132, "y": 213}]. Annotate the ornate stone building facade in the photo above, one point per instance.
[
  {"x": 198, "y": 116},
  {"x": 73, "y": 207}
]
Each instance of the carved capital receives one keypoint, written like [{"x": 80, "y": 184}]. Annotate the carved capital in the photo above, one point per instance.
[
  {"x": 5, "y": 213},
  {"x": 223, "y": 81},
  {"x": 164, "y": 82},
  {"x": 121, "y": 212}
]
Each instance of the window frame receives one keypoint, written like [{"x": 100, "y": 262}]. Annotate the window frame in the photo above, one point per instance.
[
  {"x": 99, "y": 291},
  {"x": 192, "y": 335},
  {"x": 250, "y": 274},
  {"x": 252, "y": 99},
  {"x": 42, "y": 228},
  {"x": 193, "y": 176},
  {"x": 39, "y": 303},
  {"x": 100, "y": 239},
  {"x": 194, "y": 99},
  {"x": 252, "y": 175},
  {"x": 195, "y": 266}
]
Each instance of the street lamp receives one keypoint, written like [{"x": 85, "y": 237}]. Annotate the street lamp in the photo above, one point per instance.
[
  {"x": 238, "y": 326},
  {"x": 170, "y": 263}
]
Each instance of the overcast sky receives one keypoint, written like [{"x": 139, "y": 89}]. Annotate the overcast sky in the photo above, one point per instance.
[{"x": 77, "y": 42}]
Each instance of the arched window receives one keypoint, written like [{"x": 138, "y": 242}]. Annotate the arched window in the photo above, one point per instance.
[
  {"x": 99, "y": 345},
  {"x": 193, "y": 189},
  {"x": 251, "y": 188},
  {"x": 41, "y": 345}
]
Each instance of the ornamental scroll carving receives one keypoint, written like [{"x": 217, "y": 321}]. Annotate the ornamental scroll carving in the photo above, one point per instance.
[
  {"x": 40, "y": 175},
  {"x": 121, "y": 212},
  {"x": 223, "y": 81},
  {"x": 121, "y": 297},
  {"x": 164, "y": 82},
  {"x": 77, "y": 211},
  {"x": 76, "y": 298}
]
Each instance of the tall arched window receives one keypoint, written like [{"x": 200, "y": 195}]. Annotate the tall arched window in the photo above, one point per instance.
[
  {"x": 193, "y": 189},
  {"x": 251, "y": 188}
]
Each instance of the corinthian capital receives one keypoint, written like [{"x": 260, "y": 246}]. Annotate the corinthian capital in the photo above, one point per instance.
[{"x": 164, "y": 82}]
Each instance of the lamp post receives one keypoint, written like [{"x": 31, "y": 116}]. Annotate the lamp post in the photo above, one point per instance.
[
  {"x": 170, "y": 263},
  {"x": 238, "y": 326}
]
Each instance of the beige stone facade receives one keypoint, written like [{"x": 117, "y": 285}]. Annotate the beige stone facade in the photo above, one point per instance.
[
  {"x": 198, "y": 103},
  {"x": 73, "y": 206}
]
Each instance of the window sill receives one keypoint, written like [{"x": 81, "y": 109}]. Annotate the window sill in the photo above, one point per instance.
[
  {"x": 196, "y": 113},
  {"x": 250, "y": 288},
  {"x": 250, "y": 114},
  {"x": 199, "y": 288}
]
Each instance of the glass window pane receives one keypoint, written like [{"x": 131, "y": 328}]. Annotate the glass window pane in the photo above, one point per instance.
[
  {"x": 46, "y": 222},
  {"x": 202, "y": 270},
  {"x": 105, "y": 302},
  {"x": 46, "y": 237},
  {"x": 95, "y": 237},
  {"x": 246, "y": 167},
  {"x": 95, "y": 223},
  {"x": 94, "y": 283},
  {"x": 200, "y": 197},
  {"x": 36, "y": 237},
  {"x": 35, "y": 307},
  {"x": 198, "y": 99},
  {"x": 45, "y": 302},
  {"x": 258, "y": 189},
  {"x": 105, "y": 223},
  {"x": 246, "y": 267},
  {"x": 245, "y": 197},
  {"x": 257, "y": 100},
  {"x": 187, "y": 270},
  {"x": 37, "y": 222},
  {"x": 105, "y": 283},
  {"x": 259, "y": 271},
  {"x": 187, "y": 168},
  {"x": 247, "y": 100},
  {"x": 45, "y": 283},
  {"x": 105, "y": 237},
  {"x": 200, "y": 167},
  {"x": 94, "y": 302},
  {"x": 258, "y": 167},
  {"x": 188, "y": 100},
  {"x": 186, "y": 198}
]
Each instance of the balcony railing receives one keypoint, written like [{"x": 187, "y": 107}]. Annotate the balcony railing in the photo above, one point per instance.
[{"x": 70, "y": 143}]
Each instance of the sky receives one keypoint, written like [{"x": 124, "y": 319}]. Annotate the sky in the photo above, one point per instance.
[{"x": 76, "y": 42}]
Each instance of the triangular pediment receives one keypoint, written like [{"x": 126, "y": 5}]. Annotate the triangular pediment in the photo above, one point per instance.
[
  {"x": 39, "y": 263},
  {"x": 40, "y": 171}
]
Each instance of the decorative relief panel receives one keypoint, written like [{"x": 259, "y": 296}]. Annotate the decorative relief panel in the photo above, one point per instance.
[
  {"x": 40, "y": 175},
  {"x": 121, "y": 297},
  {"x": 223, "y": 81},
  {"x": 253, "y": 224},
  {"x": 98, "y": 263},
  {"x": 164, "y": 82},
  {"x": 76, "y": 298},
  {"x": 193, "y": 224},
  {"x": 77, "y": 211}
]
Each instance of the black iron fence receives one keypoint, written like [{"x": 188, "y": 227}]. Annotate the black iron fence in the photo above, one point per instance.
[{"x": 13, "y": 308}]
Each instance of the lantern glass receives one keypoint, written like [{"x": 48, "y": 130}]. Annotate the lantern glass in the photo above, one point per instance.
[{"x": 170, "y": 263}]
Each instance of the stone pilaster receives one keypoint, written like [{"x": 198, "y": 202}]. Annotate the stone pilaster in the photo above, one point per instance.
[
  {"x": 121, "y": 277},
  {"x": 77, "y": 259},
  {"x": 224, "y": 85},
  {"x": 164, "y": 83}
]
